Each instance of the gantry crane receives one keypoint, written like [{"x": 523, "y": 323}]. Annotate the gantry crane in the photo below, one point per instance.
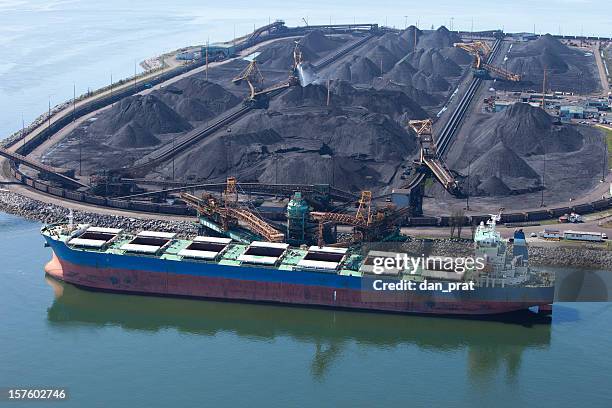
[
  {"x": 227, "y": 214},
  {"x": 429, "y": 155},
  {"x": 480, "y": 50}
]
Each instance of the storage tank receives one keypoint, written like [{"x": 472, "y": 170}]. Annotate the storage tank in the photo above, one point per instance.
[{"x": 297, "y": 219}]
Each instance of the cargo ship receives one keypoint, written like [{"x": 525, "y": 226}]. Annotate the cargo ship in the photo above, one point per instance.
[{"x": 220, "y": 268}]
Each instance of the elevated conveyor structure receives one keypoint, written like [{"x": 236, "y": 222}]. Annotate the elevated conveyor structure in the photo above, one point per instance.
[
  {"x": 429, "y": 156},
  {"x": 448, "y": 131}
]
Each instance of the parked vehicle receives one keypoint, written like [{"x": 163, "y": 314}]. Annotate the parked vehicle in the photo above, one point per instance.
[{"x": 583, "y": 236}]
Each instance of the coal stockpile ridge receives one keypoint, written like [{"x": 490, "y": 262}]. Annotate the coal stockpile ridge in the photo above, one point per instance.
[
  {"x": 196, "y": 99},
  {"x": 395, "y": 44},
  {"x": 431, "y": 61},
  {"x": 440, "y": 38},
  {"x": 394, "y": 103},
  {"x": 430, "y": 67},
  {"x": 358, "y": 70},
  {"x": 279, "y": 55},
  {"x": 357, "y": 150},
  {"x": 457, "y": 55},
  {"x": 502, "y": 162},
  {"x": 402, "y": 72},
  {"x": 421, "y": 97},
  {"x": 528, "y": 131},
  {"x": 545, "y": 42},
  {"x": 389, "y": 102},
  {"x": 411, "y": 36},
  {"x": 318, "y": 42},
  {"x": 430, "y": 82},
  {"x": 567, "y": 69},
  {"x": 493, "y": 186},
  {"x": 148, "y": 111},
  {"x": 133, "y": 135},
  {"x": 382, "y": 57}
]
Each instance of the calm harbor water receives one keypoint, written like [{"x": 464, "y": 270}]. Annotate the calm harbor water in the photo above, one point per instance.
[
  {"x": 129, "y": 351},
  {"x": 119, "y": 350}
]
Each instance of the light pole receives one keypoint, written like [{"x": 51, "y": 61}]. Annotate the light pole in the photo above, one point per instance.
[
  {"x": 467, "y": 196},
  {"x": 81, "y": 151},
  {"x": 543, "y": 178}
]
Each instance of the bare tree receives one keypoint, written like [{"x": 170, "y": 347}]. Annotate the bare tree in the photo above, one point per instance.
[{"x": 456, "y": 221}]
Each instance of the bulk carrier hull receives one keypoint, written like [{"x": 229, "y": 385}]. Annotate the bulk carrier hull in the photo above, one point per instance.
[{"x": 156, "y": 276}]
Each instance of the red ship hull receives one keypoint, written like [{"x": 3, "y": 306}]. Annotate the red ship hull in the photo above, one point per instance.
[{"x": 166, "y": 284}]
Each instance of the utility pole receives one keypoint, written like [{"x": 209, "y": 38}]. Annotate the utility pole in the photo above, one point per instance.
[
  {"x": 207, "y": 58},
  {"x": 134, "y": 75},
  {"x": 23, "y": 130},
  {"x": 467, "y": 196},
  {"x": 472, "y": 30},
  {"x": 111, "y": 87},
  {"x": 543, "y": 178},
  {"x": 81, "y": 151},
  {"x": 73, "y": 102},
  {"x": 49, "y": 119},
  {"x": 173, "y": 139},
  {"x": 603, "y": 164},
  {"x": 405, "y": 22},
  {"x": 328, "y": 92},
  {"x": 544, "y": 90}
]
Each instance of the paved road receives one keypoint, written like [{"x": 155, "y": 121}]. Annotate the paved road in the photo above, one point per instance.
[{"x": 605, "y": 86}]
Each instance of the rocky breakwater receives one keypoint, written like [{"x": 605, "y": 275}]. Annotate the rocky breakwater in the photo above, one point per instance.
[
  {"x": 581, "y": 257},
  {"x": 551, "y": 254},
  {"x": 48, "y": 213}
]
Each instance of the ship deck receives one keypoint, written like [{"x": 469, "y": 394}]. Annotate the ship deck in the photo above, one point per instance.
[{"x": 230, "y": 255}]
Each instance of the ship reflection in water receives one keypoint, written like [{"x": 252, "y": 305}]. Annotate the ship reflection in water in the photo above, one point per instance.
[{"x": 490, "y": 344}]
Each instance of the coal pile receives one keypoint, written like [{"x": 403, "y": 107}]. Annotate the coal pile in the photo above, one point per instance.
[
  {"x": 147, "y": 112},
  {"x": 440, "y": 38},
  {"x": 527, "y": 130},
  {"x": 424, "y": 65},
  {"x": 567, "y": 69},
  {"x": 505, "y": 147},
  {"x": 318, "y": 42},
  {"x": 393, "y": 103},
  {"x": 352, "y": 149},
  {"x": 503, "y": 162},
  {"x": 386, "y": 63},
  {"x": 138, "y": 124},
  {"x": 133, "y": 135},
  {"x": 313, "y": 46},
  {"x": 196, "y": 99},
  {"x": 494, "y": 186}
]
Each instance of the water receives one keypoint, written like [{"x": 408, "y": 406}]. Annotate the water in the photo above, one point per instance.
[
  {"x": 119, "y": 350},
  {"x": 47, "y": 47}
]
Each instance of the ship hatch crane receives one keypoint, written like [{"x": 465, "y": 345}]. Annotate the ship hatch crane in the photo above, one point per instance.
[
  {"x": 480, "y": 50},
  {"x": 229, "y": 214},
  {"x": 367, "y": 224}
]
